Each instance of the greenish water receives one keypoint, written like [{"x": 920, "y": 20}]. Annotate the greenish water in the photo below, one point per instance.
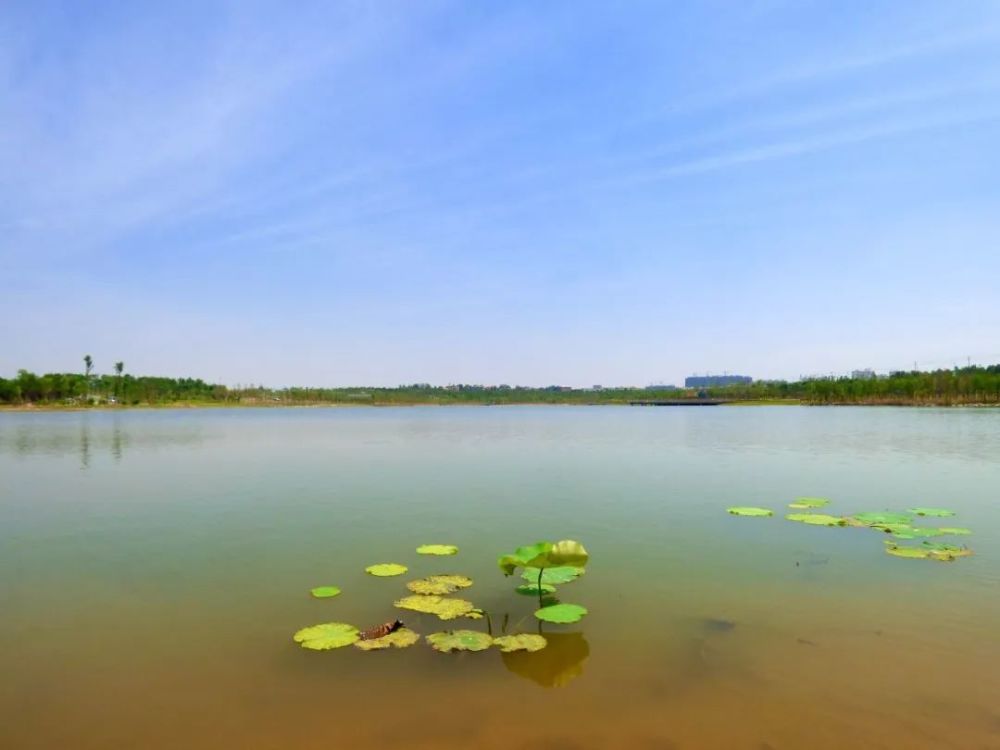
[{"x": 154, "y": 565}]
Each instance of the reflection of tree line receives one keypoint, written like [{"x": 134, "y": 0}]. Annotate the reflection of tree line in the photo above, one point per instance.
[{"x": 42, "y": 440}]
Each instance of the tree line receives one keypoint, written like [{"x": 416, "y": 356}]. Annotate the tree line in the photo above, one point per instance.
[{"x": 967, "y": 385}]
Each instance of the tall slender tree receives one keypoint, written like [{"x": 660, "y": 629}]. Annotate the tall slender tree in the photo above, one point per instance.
[
  {"x": 88, "y": 362},
  {"x": 119, "y": 368}
]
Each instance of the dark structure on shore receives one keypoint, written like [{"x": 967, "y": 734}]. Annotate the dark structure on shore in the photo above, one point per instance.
[{"x": 712, "y": 381}]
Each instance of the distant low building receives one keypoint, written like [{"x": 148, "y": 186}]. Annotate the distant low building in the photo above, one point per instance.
[
  {"x": 714, "y": 381},
  {"x": 660, "y": 387},
  {"x": 868, "y": 374}
]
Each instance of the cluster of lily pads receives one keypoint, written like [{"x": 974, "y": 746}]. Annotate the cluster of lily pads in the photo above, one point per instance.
[
  {"x": 896, "y": 524},
  {"x": 545, "y": 564}
]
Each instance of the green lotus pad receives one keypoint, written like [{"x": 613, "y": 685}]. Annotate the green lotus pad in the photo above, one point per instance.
[
  {"x": 555, "y": 576},
  {"x": 872, "y": 519},
  {"x": 446, "y": 609},
  {"x": 522, "y": 642},
  {"x": 809, "y": 502},
  {"x": 954, "y": 531},
  {"x": 384, "y": 570},
  {"x": 909, "y": 552},
  {"x": 741, "y": 510},
  {"x": 401, "y": 638},
  {"x": 437, "y": 549},
  {"x": 326, "y": 636},
  {"x": 931, "y": 512},
  {"x": 460, "y": 640},
  {"x": 946, "y": 552},
  {"x": 545, "y": 555},
  {"x": 324, "y": 592},
  {"x": 531, "y": 589},
  {"x": 816, "y": 519},
  {"x": 561, "y": 613},
  {"x": 439, "y": 585}
]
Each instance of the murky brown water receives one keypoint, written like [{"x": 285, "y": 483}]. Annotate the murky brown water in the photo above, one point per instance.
[{"x": 153, "y": 566}]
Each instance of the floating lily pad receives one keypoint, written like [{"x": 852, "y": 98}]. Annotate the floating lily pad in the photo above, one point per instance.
[
  {"x": 744, "y": 510},
  {"x": 446, "y": 609},
  {"x": 437, "y": 549},
  {"x": 555, "y": 576},
  {"x": 871, "y": 519},
  {"x": 924, "y": 531},
  {"x": 326, "y": 636},
  {"x": 476, "y": 614},
  {"x": 816, "y": 519},
  {"x": 522, "y": 642},
  {"x": 460, "y": 640},
  {"x": 909, "y": 552},
  {"x": 545, "y": 555},
  {"x": 384, "y": 570},
  {"x": 401, "y": 638},
  {"x": 324, "y": 592},
  {"x": 423, "y": 586},
  {"x": 531, "y": 589},
  {"x": 931, "y": 512},
  {"x": 809, "y": 502},
  {"x": 459, "y": 582},
  {"x": 561, "y": 613},
  {"x": 954, "y": 531},
  {"x": 946, "y": 552}
]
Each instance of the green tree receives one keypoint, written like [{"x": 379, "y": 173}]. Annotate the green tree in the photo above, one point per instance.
[
  {"x": 88, "y": 363},
  {"x": 119, "y": 369}
]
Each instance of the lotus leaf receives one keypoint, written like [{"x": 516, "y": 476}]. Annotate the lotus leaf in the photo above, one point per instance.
[
  {"x": 476, "y": 614},
  {"x": 459, "y": 582},
  {"x": 424, "y": 586},
  {"x": 324, "y": 592},
  {"x": 446, "y": 609},
  {"x": 954, "y": 531},
  {"x": 326, "y": 636},
  {"x": 437, "y": 549},
  {"x": 910, "y": 552},
  {"x": 401, "y": 638},
  {"x": 556, "y": 665},
  {"x": 809, "y": 502},
  {"x": 924, "y": 531},
  {"x": 522, "y": 642},
  {"x": 946, "y": 552},
  {"x": 531, "y": 589},
  {"x": 383, "y": 570},
  {"x": 460, "y": 640},
  {"x": 742, "y": 510},
  {"x": 931, "y": 512},
  {"x": 816, "y": 519},
  {"x": 561, "y": 613},
  {"x": 545, "y": 555},
  {"x": 871, "y": 519},
  {"x": 555, "y": 576}
]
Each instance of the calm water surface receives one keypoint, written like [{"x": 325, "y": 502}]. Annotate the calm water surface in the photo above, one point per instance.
[{"x": 154, "y": 565}]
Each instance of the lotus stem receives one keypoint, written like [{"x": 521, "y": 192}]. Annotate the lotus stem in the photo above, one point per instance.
[{"x": 540, "y": 571}]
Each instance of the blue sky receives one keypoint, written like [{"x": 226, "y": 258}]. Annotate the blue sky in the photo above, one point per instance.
[{"x": 520, "y": 192}]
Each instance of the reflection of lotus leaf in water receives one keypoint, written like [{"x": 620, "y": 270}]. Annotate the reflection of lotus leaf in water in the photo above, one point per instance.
[
  {"x": 931, "y": 512},
  {"x": 746, "y": 510},
  {"x": 401, "y": 638},
  {"x": 872, "y": 519},
  {"x": 954, "y": 531},
  {"x": 521, "y": 642},
  {"x": 324, "y": 592},
  {"x": 326, "y": 636},
  {"x": 384, "y": 570},
  {"x": 446, "y": 609},
  {"x": 437, "y": 549},
  {"x": 815, "y": 519},
  {"x": 460, "y": 640},
  {"x": 556, "y": 576},
  {"x": 545, "y": 555},
  {"x": 531, "y": 589},
  {"x": 561, "y": 613},
  {"x": 556, "y": 665},
  {"x": 809, "y": 502}
]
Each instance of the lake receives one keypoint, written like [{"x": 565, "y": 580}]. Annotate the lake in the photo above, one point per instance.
[{"x": 155, "y": 564}]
